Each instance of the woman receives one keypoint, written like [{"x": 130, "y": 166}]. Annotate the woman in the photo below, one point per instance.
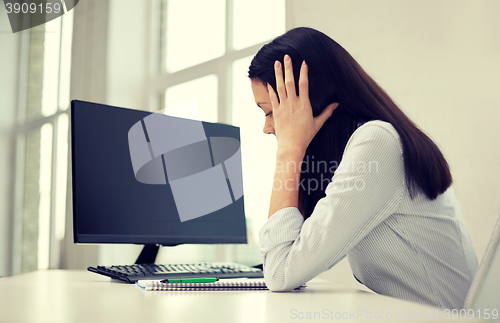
[{"x": 389, "y": 206}]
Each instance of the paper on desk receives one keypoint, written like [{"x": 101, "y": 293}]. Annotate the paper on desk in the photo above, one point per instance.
[{"x": 148, "y": 283}]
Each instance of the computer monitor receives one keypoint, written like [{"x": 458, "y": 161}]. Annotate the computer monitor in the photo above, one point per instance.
[{"x": 131, "y": 172}]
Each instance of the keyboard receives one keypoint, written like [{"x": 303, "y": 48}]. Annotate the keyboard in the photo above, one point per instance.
[{"x": 133, "y": 273}]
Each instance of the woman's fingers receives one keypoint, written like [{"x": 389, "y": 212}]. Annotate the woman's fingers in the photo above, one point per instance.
[
  {"x": 304, "y": 83},
  {"x": 289, "y": 81},
  {"x": 320, "y": 120},
  {"x": 280, "y": 85},
  {"x": 273, "y": 97}
]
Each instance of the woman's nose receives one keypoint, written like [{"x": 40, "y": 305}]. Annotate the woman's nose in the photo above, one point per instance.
[{"x": 268, "y": 127}]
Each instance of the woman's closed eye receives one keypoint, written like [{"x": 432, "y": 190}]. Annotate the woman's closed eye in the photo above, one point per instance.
[{"x": 269, "y": 114}]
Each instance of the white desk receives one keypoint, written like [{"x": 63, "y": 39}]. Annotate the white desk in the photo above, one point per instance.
[{"x": 81, "y": 296}]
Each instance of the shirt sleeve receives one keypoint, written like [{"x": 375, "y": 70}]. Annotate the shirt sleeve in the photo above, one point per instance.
[{"x": 366, "y": 188}]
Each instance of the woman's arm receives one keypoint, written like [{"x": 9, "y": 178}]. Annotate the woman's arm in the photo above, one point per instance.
[
  {"x": 286, "y": 181},
  {"x": 367, "y": 188}
]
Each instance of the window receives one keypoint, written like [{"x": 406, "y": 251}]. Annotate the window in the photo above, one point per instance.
[
  {"x": 42, "y": 146},
  {"x": 206, "y": 49},
  {"x": 195, "y": 31},
  {"x": 203, "y": 94}
]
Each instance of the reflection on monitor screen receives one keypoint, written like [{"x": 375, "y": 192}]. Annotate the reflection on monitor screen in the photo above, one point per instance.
[{"x": 147, "y": 178}]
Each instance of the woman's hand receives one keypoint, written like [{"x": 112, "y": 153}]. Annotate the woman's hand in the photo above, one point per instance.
[{"x": 294, "y": 123}]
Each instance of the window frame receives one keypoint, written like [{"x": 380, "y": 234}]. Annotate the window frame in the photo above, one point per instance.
[{"x": 22, "y": 126}]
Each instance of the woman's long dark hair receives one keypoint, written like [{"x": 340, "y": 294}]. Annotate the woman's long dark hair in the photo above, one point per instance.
[{"x": 334, "y": 76}]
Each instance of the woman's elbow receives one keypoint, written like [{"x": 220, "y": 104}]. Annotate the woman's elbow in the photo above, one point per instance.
[{"x": 280, "y": 285}]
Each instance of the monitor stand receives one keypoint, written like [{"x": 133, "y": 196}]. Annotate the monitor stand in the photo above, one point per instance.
[{"x": 148, "y": 254}]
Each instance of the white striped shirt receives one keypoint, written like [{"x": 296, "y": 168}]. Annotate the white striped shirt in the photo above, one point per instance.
[{"x": 418, "y": 250}]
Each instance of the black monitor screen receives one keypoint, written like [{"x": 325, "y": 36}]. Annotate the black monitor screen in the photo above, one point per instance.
[{"x": 143, "y": 179}]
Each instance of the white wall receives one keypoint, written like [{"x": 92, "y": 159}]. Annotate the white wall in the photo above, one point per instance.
[
  {"x": 439, "y": 60},
  {"x": 9, "y": 53}
]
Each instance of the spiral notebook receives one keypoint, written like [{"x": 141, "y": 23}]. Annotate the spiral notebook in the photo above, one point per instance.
[{"x": 225, "y": 284}]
